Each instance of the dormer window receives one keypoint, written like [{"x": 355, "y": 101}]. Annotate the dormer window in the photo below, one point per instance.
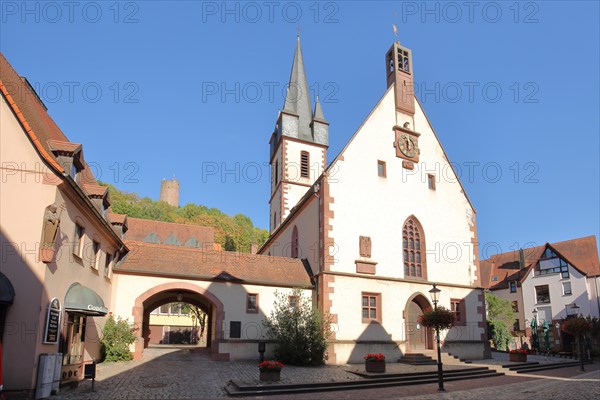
[
  {"x": 99, "y": 197},
  {"x": 69, "y": 156},
  {"x": 551, "y": 263}
]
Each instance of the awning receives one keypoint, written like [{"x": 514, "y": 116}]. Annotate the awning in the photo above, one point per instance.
[
  {"x": 84, "y": 300},
  {"x": 7, "y": 292}
]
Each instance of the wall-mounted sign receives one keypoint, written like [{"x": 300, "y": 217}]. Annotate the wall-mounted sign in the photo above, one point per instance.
[{"x": 52, "y": 331}]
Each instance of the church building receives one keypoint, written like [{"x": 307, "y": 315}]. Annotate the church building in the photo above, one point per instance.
[{"x": 378, "y": 224}]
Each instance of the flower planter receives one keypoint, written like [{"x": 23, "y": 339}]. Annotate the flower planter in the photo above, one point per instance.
[
  {"x": 517, "y": 357},
  {"x": 270, "y": 375},
  {"x": 375, "y": 366}
]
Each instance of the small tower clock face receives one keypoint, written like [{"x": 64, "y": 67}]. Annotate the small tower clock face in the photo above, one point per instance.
[{"x": 407, "y": 145}]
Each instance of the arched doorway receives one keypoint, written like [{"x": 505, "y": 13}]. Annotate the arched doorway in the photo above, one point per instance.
[
  {"x": 417, "y": 336},
  {"x": 179, "y": 292}
]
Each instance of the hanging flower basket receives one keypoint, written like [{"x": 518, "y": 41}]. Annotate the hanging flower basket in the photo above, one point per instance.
[
  {"x": 270, "y": 370},
  {"x": 441, "y": 318},
  {"x": 576, "y": 326},
  {"x": 375, "y": 362}
]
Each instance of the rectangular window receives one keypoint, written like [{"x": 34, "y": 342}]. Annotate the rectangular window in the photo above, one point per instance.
[
  {"x": 381, "y": 169},
  {"x": 96, "y": 255},
  {"x": 456, "y": 306},
  {"x": 513, "y": 286},
  {"x": 252, "y": 303},
  {"x": 516, "y": 326},
  {"x": 235, "y": 329},
  {"x": 164, "y": 309},
  {"x": 566, "y": 288},
  {"x": 371, "y": 307},
  {"x": 293, "y": 302},
  {"x": 515, "y": 306},
  {"x": 431, "y": 181},
  {"x": 107, "y": 264},
  {"x": 78, "y": 240},
  {"x": 304, "y": 164},
  {"x": 542, "y": 294}
]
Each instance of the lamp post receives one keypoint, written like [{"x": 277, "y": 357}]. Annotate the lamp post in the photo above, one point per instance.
[
  {"x": 557, "y": 326},
  {"x": 435, "y": 293},
  {"x": 535, "y": 326},
  {"x": 575, "y": 314}
]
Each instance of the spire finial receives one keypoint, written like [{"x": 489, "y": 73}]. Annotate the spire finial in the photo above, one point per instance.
[{"x": 298, "y": 32}]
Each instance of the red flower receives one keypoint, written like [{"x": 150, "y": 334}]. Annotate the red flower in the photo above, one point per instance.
[
  {"x": 375, "y": 357},
  {"x": 519, "y": 351},
  {"x": 270, "y": 365}
]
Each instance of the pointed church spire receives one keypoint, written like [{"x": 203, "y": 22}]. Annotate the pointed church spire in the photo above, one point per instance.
[
  {"x": 297, "y": 98},
  {"x": 318, "y": 114}
]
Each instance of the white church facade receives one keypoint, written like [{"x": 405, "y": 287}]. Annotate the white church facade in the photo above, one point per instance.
[
  {"x": 366, "y": 235},
  {"x": 378, "y": 224}
]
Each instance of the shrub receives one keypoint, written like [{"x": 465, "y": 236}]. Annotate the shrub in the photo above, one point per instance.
[
  {"x": 117, "y": 335},
  {"x": 301, "y": 332},
  {"x": 499, "y": 334}
]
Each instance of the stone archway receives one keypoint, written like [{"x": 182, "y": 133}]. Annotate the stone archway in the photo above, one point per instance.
[
  {"x": 417, "y": 337},
  {"x": 189, "y": 293}
]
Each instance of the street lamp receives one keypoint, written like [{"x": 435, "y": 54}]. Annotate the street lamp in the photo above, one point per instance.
[
  {"x": 435, "y": 296},
  {"x": 557, "y": 326},
  {"x": 575, "y": 314},
  {"x": 536, "y": 340}
]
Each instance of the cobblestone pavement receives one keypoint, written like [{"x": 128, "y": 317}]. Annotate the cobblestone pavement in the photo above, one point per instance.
[{"x": 171, "y": 373}]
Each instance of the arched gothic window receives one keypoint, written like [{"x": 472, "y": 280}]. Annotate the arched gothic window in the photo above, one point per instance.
[{"x": 413, "y": 247}]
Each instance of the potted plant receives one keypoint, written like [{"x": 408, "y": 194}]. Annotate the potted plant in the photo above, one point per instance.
[
  {"x": 270, "y": 370},
  {"x": 375, "y": 362},
  {"x": 519, "y": 355},
  {"x": 576, "y": 326}
]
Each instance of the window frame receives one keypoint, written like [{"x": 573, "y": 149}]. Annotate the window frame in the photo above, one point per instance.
[
  {"x": 413, "y": 249},
  {"x": 304, "y": 164},
  {"x": 511, "y": 285},
  {"x": 291, "y": 299},
  {"x": 376, "y": 307},
  {"x": 457, "y": 306},
  {"x": 537, "y": 295},
  {"x": 79, "y": 240},
  {"x": 570, "y": 292},
  {"x": 248, "y": 309},
  {"x": 431, "y": 181},
  {"x": 96, "y": 254},
  {"x": 107, "y": 264},
  {"x": 381, "y": 169}
]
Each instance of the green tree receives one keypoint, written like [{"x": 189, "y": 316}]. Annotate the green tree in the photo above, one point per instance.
[
  {"x": 501, "y": 317},
  {"x": 117, "y": 335},
  {"x": 301, "y": 332},
  {"x": 235, "y": 233}
]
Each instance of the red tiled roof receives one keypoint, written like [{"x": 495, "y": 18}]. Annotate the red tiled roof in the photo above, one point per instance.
[
  {"x": 117, "y": 218},
  {"x": 581, "y": 253},
  {"x": 38, "y": 124},
  {"x": 192, "y": 263},
  {"x": 95, "y": 190},
  {"x": 63, "y": 146},
  {"x": 139, "y": 229}
]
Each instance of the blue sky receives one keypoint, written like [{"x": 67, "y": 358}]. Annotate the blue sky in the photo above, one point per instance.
[{"x": 156, "y": 89}]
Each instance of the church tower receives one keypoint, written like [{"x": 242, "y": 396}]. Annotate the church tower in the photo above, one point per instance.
[
  {"x": 399, "y": 72},
  {"x": 298, "y": 144}
]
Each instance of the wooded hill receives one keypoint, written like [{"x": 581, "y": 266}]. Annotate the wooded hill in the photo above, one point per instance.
[{"x": 235, "y": 233}]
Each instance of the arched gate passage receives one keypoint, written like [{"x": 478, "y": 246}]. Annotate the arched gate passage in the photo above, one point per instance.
[{"x": 179, "y": 292}]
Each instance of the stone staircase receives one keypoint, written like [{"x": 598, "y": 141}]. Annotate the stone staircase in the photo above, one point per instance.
[
  {"x": 369, "y": 381},
  {"x": 534, "y": 366},
  {"x": 417, "y": 359}
]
